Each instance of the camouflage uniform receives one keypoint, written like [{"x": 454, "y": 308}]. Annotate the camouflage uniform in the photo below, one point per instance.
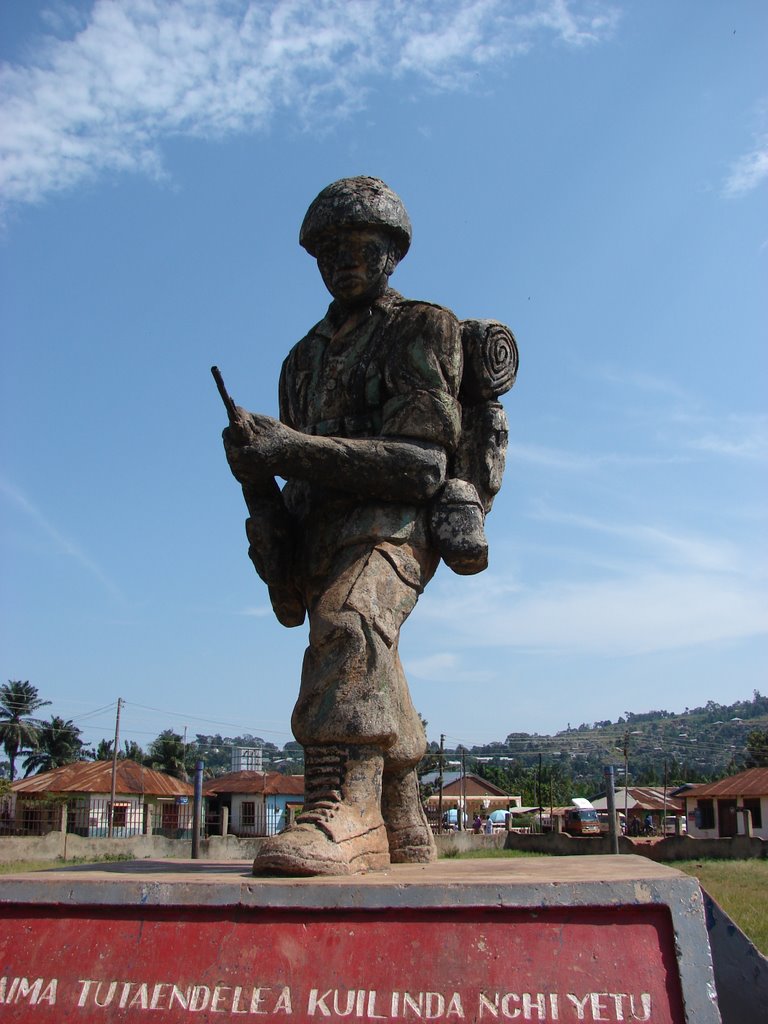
[{"x": 393, "y": 371}]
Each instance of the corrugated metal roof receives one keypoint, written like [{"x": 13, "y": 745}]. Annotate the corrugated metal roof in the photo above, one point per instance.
[
  {"x": 752, "y": 782},
  {"x": 475, "y": 786},
  {"x": 641, "y": 798},
  {"x": 96, "y": 777},
  {"x": 269, "y": 783},
  {"x": 650, "y": 799}
]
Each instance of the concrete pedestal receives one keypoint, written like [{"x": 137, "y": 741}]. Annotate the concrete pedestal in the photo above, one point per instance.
[{"x": 567, "y": 939}]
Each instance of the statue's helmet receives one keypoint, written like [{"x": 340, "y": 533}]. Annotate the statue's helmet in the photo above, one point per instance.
[{"x": 360, "y": 202}]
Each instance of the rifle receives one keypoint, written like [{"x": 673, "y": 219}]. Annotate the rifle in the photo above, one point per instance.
[
  {"x": 268, "y": 527},
  {"x": 234, "y": 419}
]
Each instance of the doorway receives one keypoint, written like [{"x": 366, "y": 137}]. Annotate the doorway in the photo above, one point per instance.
[{"x": 726, "y": 818}]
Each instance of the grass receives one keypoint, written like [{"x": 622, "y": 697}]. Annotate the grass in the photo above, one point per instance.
[
  {"x": 453, "y": 854},
  {"x": 739, "y": 886},
  {"x": 741, "y": 889},
  {"x": 13, "y": 867}
]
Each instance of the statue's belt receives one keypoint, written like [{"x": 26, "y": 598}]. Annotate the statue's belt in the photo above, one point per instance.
[{"x": 345, "y": 426}]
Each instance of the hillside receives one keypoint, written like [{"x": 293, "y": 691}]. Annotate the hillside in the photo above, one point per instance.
[{"x": 697, "y": 744}]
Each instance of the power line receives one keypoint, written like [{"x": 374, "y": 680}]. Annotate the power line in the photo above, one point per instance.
[{"x": 207, "y": 721}]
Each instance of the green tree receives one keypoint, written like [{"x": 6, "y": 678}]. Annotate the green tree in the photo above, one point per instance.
[
  {"x": 132, "y": 752},
  {"x": 757, "y": 749},
  {"x": 58, "y": 743},
  {"x": 103, "y": 751},
  {"x": 18, "y": 729},
  {"x": 167, "y": 754}
]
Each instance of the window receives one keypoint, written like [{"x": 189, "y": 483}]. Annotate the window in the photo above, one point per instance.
[
  {"x": 757, "y": 816},
  {"x": 120, "y": 816},
  {"x": 248, "y": 814},
  {"x": 170, "y": 817},
  {"x": 705, "y": 814}
]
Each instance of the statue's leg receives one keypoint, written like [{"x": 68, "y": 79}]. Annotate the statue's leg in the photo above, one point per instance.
[
  {"x": 344, "y": 719},
  {"x": 408, "y": 831},
  {"x": 340, "y": 830},
  {"x": 354, "y": 706},
  {"x": 410, "y": 837},
  {"x": 402, "y": 572}
]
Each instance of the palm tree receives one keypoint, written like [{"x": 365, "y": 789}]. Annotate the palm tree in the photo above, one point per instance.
[
  {"x": 18, "y": 730},
  {"x": 58, "y": 743},
  {"x": 103, "y": 751},
  {"x": 167, "y": 754},
  {"x": 131, "y": 751}
]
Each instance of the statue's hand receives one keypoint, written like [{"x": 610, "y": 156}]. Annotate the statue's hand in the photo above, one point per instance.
[
  {"x": 254, "y": 445},
  {"x": 270, "y": 437},
  {"x": 240, "y": 458},
  {"x": 238, "y": 438}
]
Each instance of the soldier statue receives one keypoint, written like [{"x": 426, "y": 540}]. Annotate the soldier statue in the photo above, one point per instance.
[{"x": 391, "y": 442}]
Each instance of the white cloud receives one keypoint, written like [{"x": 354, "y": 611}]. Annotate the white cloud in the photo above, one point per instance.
[
  {"x": 636, "y": 614},
  {"x": 663, "y": 545},
  {"x": 257, "y": 611},
  {"x": 592, "y": 23},
  {"x": 134, "y": 74},
  {"x": 647, "y": 383},
  {"x": 749, "y": 171},
  {"x": 63, "y": 545},
  {"x": 737, "y": 437},
  {"x": 668, "y": 589},
  {"x": 670, "y": 414},
  {"x": 445, "y": 667},
  {"x": 551, "y": 458},
  {"x": 579, "y": 462}
]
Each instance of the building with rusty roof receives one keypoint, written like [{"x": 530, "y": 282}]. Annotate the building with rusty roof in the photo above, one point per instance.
[
  {"x": 477, "y": 795},
  {"x": 637, "y": 802},
  {"x": 716, "y": 809},
  {"x": 252, "y": 803},
  {"x": 146, "y": 801}
]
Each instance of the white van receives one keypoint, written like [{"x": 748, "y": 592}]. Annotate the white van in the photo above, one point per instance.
[{"x": 670, "y": 827}]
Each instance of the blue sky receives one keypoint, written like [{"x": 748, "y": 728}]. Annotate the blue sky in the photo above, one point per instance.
[{"x": 591, "y": 173}]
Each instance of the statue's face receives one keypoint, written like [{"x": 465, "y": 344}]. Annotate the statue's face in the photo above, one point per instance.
[{"x": 355, "y": 264}]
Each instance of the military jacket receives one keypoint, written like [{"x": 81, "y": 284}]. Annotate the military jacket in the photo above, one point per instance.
[{"x": 394, "y": 370}]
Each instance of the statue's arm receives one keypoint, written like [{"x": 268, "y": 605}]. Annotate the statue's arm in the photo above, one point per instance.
[
  {"x": 392, "y": 469},
  {"x": 421, "y": 421}
]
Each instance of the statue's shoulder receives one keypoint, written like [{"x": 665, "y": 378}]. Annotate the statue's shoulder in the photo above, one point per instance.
[
  {"x": 428, "y": 319},
  {"x": 303, "y": 351},
  {"x": 420, "y": 307}
]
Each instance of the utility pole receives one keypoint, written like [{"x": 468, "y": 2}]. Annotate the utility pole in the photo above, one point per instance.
[
  {"x": 539, "y": 796},
  {"x": 110, "y": 827},
  {"x": 440, "y": 784},
  {"x": 461, "y": 813},
  {"x": 664, "y": 815},
  {"x": 551, "y": 796},
  {"x": 610, "y": 803},
  {"x": 626, "y": 779},
  {"x": 197, "y": 810}
]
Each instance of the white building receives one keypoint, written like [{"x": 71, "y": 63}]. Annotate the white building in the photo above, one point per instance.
[
  {"x": 247, "y": 759},
  {"x": 715, "y": 810}
]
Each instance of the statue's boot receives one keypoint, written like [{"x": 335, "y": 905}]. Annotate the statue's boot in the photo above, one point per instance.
[
  {"x": 410, "y": 837},
  {"x": 340, "y": 831}
]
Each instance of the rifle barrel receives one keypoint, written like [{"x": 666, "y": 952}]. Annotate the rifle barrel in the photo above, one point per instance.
[{"x": 225, "y": 395}]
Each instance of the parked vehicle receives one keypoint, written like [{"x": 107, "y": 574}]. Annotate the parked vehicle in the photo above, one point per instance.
[
  {"x": 581, "y": 819},
  {"x": 451, "y": 820},
  {"x": 604, "y": 819},
  {"x": 670, "y": 826}
]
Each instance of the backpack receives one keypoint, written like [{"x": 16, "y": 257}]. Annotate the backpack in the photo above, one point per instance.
[{"x": 457, "y": 513}]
